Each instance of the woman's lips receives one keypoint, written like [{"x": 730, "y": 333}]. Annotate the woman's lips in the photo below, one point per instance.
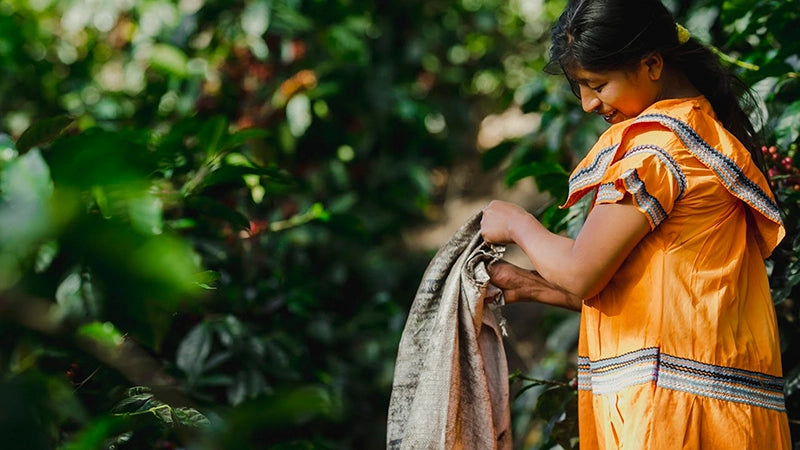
[{"x": 608, "y": 117}]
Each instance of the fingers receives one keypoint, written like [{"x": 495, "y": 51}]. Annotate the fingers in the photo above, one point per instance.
[
  {"x": 494, "y": 222},
  {"x": 506, "y": 275}
]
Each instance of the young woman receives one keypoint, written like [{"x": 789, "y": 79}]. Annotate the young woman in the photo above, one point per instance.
[{"x": 678, "y": 343}]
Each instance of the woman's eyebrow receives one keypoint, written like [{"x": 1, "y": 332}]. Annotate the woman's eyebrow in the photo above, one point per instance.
[
  {"x": 585, "y": 80},
  {"x": 588, "y": 80}
]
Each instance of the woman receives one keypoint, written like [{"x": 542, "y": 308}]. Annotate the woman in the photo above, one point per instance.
[{"x": 678, "y": 342}]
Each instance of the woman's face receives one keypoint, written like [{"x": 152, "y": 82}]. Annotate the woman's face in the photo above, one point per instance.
[{"x": 618, "y": 95}]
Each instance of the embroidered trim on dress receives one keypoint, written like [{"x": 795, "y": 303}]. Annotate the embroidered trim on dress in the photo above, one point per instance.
[
  {"x": 668, "y": 161},
  {"x": 731, "y": 175},
  {"x": 610, "y": 375},
  {"x": 723, "y": 383},
  {"x": 592, "y": 173},
  {"x": 584, "y": 374},
  {"x": 642, "y": 198},
  {"x": 607, "y": 192}
]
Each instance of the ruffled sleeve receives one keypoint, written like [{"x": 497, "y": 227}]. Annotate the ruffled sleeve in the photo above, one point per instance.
[
  {"x": 590, "y": 170},
  {"x": 616, "y": 167},
  {"x": 650, "y": 176}
]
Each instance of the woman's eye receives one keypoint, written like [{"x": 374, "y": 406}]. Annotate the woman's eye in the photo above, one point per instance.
[{"x": 597, "y": 88}]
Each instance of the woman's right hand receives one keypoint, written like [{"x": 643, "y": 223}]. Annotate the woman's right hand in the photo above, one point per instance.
[{"x": 498, "y": 220}]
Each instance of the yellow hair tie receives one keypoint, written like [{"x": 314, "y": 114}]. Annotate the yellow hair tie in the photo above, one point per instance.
[{"x": 683, "y": 33}]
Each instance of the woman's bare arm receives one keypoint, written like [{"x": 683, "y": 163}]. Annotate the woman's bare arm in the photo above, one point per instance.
[{"x": 581, "y": 267}]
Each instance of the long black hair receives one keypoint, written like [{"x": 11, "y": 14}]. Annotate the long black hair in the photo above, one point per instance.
[{"x": 603, "y": 35}]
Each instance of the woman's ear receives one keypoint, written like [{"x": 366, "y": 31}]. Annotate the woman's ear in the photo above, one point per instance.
[{"x": 654, "y": 63}]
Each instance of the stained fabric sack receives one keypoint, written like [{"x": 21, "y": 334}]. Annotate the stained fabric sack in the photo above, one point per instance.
[{"x": 450, "y": 387}]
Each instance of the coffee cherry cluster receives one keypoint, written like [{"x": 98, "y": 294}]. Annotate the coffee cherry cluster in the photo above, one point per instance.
[
  {"x": 72, "y": 372},
  {"x": 781, "y": 169}
]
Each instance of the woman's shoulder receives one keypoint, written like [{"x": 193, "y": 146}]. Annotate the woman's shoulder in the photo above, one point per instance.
[
  {"x": 682, "y": 116},
  {"x": 690, "y": 124},
  {"x": 685, "y": 107},
  {"x": 659, "y": 120},
  {"x": 681, "y": 124}
]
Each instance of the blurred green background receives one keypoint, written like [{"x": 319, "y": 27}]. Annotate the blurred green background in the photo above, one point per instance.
[{"x": 211, "y": 211}]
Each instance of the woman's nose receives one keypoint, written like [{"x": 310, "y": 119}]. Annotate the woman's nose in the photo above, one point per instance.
[{"x": 589, "y": 100}]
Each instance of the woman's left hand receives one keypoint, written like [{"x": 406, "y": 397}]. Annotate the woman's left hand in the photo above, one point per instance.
[{"x": 498, "y": 220}]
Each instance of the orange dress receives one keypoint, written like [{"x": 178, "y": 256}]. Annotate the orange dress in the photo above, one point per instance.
[{"x": 680, "y": 349}]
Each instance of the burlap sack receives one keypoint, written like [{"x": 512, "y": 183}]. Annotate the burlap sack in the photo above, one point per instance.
[{"x": 450, "y": 387}]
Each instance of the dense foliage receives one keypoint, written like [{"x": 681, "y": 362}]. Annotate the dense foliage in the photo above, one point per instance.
[{"x": 202, "y": 205}]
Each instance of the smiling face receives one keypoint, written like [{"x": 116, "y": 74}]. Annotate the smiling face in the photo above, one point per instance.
[{"x": 622, "y": 94}]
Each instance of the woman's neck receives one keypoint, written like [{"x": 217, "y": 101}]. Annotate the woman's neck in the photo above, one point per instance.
[{"x": 677, "y": 85}]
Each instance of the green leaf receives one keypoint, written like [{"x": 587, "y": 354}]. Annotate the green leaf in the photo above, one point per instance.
[
  {"x": 248, "y": 384},
  {"x": 554, "y": 134},
  {"x": 104, "y": 333},
  {"x": 161, "y": 411},
  {"x": 792, "y": 380},
  {"x": 118, "y": 161},
  {"x": 215, "y": 360},
  {"x": 732, "y": 9},
  {"x": 787, "y": 129},
  {"x": 214, "y": 380},
  {"x": 555, "y": 218},
  {"x": 551, "y": 401},
  {"x": 554, "y": 173},
  {"x": 45, "y": 255},
  {"x": 296, "y": 406},
  {"x": 166, "y": 261},
  {"x": 194, "y": 350},
  {"x": 169, "y": 59},
  {"x": 242, "y": 136},
  {"x": 230, "y": 330},
  {"x": 191, "y": 417},
  {"x": 565, "y": 430},
  {"x": 234, "y": 173},
  {"x": 137, "y": 390},
  {"x": 95, "y": 435},
  {"x": 207, "y": 279},
  {"x": 237, "y": 391},
  {"x": 213, "y": 209},
  {"x": 26, "y": 215},
  {"x": 700, "y": 21},
  {"x": 287, "y": 18},
  {"x": 212, "y": 135},
  {"x": 26, "y": 179},
  {"x": 146, "y": 213},
  {"x": 766, "y": 87},
  {"x": 43, "y": 131},
  {"x": 132, "y": 403},
  {"x": 7, "y": 146},
  {"x": 494, "y": 156}
]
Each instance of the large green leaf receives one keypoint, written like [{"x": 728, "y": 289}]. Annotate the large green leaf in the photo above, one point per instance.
[
  {"x": 98, "y": 157},
  {"x": 43, "y": 131}
]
